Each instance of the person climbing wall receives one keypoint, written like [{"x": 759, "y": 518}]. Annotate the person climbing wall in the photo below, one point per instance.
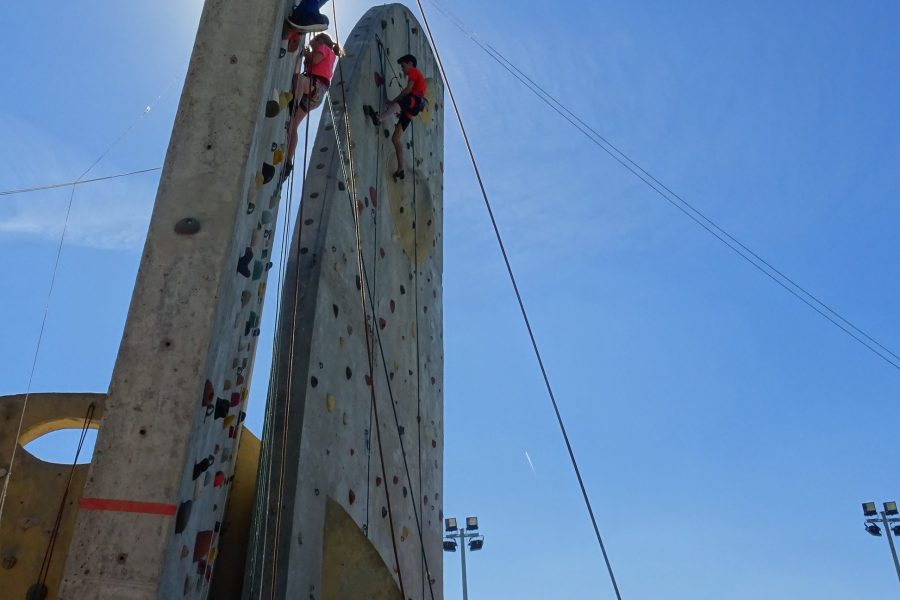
[
  {"x": 311, "y": 85},
  {"x": 307, "y": 16},
  {"x": 409, "y": 103}
]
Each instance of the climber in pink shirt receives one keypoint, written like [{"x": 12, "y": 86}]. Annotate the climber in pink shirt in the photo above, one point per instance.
[{"x": 311, "y": 85}]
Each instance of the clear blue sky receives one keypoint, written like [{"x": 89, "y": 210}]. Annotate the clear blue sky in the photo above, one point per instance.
[{"x": 727, "y": 434}]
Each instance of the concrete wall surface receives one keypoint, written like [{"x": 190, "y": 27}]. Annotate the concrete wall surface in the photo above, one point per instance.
[
  {"x": 325, "y": 437},
  {"x": 151, "y": 517}
]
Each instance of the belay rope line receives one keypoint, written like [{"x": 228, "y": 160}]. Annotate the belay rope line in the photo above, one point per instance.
[
  {"x": 415, "y": 208},
  {"x": 263, "y": 493},
  {"x": 41, "y": 585},
  {"x": 365, "y": 287}
]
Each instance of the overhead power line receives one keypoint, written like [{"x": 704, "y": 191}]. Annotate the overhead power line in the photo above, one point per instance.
[
  {"x": 53, "y": 186},
  {"x": 691, "y": 211},
  {"x": 512, "y": 278}
]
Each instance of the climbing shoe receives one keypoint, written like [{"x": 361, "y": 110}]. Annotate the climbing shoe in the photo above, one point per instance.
[
  {"x": 312, "y": 22},
  {"x": 370, "y": 112},
  {"x": 399, "y": 174}
]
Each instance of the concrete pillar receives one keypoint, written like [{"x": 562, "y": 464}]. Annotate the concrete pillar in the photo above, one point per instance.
[
  {"x": 321, "y": 441},
  {"x": 151, "y": 514}
]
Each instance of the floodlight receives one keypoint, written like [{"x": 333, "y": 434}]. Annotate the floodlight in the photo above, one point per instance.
[
  {"x": 890, "y": 508},
  {"x": 450, "y": 524},
  {"x": 476, "y": 544},
  {"x": 471, "y": 523},
  {"x": 449, "y": 546},
  {"x": 874, "y": 530},
  {"x": 897, "y": 530},
  {"x": 869, "y": 509}
]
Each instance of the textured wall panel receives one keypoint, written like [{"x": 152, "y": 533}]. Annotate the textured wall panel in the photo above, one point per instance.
[{"x": 321, "y": 440}]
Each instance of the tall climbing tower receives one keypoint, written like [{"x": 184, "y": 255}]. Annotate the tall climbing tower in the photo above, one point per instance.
[
  {"x": 350, "y": 487},
  {"x": 150, "y": 518},
  {"x": 349, "y": 494}
]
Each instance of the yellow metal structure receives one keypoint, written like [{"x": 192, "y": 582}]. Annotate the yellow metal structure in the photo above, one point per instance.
[{"x": 36, "y": 489}]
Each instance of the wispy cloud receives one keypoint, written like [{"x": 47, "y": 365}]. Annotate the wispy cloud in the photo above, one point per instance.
[{"x": 110, "y": 215}]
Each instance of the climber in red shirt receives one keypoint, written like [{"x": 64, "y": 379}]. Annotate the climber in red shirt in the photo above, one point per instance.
[{"x": 410, "y": 102}]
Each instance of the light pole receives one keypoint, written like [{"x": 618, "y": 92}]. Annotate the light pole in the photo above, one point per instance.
[
  {"x": 891, "y": 526},
  {"x": 470, "y": 533}
]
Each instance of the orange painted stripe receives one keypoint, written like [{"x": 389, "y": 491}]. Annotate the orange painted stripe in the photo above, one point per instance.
[{"x": 128, "y": 506}]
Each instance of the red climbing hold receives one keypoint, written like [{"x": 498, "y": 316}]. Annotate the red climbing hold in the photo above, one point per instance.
[
  {"x": 202, "y": 544},
  {"x": 382, "y": 323},
  {"x": 352, "y": 496},
  {"x": 373, "y": 196},
  {"x": 393, "y": 306},
  {"x": 379, "y": 80}
]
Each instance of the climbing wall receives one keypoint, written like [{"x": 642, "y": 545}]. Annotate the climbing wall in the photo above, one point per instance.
[
  {"x": 150, "y": 520},
  {"x": 346, "y": 443}
]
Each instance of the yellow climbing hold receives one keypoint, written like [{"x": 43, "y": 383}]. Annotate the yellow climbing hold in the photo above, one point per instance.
[{"x": 330, "y": 402}]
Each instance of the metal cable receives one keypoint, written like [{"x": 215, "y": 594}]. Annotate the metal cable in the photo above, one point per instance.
[
  {"x": 79, "y": 182},
  {"x": 55, "y": 271},
  {"x": 512, "y": 278},
  {"x": 691, "y": 211}
]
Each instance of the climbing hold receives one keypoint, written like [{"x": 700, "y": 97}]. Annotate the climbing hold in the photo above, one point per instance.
[
  {"x": 187, "y": 226},
  {"x": 183, "y": 516},
  {"x": 330, "y": 402},
  {"x": 37, "y": 591},
  {"x": 352, "y": 496},
  {"x": 202, "y": 545},
  {"x": 268, "y": 172},
  {"x": 244, "y": 262},
  {"x": 201, "y": 467}
]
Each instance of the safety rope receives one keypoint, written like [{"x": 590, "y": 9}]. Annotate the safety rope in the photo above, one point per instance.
[
  {"x": 397, "y": 425},
  {"x": 363, "y": 287},
  {"x": 354, "y": 198},
  {"x": 515, "y": 285},
  {"x": 416, "y": 223},
  {"x": 53, "y": 276},
  {"x": 54, "y": 532},
  {"x": 291, "y": 348}
]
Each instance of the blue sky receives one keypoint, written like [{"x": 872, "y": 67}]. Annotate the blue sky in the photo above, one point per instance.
[{"x": 727, "y": 433}]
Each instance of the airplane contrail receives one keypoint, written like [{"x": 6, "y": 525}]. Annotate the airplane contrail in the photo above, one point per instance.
[{"x": 530, "y": 464}]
